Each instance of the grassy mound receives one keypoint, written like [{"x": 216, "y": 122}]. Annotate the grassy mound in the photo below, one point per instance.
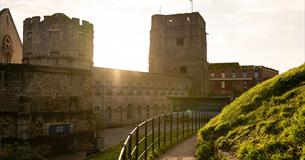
[{"x": 266, "y": 122}]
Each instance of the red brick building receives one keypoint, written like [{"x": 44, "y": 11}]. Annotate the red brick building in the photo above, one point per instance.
[{"x": 231, "y": 79}]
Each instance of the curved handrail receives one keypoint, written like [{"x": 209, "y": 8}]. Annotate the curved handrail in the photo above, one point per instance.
[{"x": 137, "y": 147}]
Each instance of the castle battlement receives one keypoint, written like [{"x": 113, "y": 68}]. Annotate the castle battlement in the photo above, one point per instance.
[
  {"x": 57, "y": 17},
  {"x": 174, "y": 20},
  {"x": 59, "y": 41}
]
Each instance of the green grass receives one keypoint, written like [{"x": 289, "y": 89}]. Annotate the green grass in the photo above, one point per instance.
[
  {"x": 114, "y": 152},
  {"x": 266, "y": 122},
  {"x": 109, "y": 154}
]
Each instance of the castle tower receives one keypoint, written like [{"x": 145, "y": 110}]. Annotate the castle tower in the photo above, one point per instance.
[
  {"x": 58, "y": 41},
  {"x": 178, "y": 47}
]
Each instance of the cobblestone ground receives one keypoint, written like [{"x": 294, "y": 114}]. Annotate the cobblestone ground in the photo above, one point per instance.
[
  {"x": 113, "y": 136},
  {"x": 182, "y": 151}
]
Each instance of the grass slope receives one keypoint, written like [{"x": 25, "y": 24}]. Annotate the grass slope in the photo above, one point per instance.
[{"x": 266, "y": 122}]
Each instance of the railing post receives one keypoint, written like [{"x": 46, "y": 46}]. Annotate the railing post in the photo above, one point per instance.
[
  {"x": 192, "y": 122},
  {"x": 129, "y": 147},
  {"x": 145, "y": 142},
  {"x": 159, "y": 132},
  {"x": 124, "y": 152},
  {"x": 188, "y": 123},
  {"x": 183, "y": 124},
  {"x": 137, "y": 143},
  {"x": 153, "y": 134},
  {"x": 164, "y": 139},
  {"x": 177, "y": 121},
  {"x": 196, "y": 121},
  {"x": 171, "y": 128}
]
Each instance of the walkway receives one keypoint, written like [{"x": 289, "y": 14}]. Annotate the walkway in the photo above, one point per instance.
[
  {"x": 113, "y": 136},
  {"x": 182, "y": 151}
]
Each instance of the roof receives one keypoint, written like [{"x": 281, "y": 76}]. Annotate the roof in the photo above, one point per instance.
[
  {"x": 228, "y": 65},
  {"x": 9, "y": 13}
]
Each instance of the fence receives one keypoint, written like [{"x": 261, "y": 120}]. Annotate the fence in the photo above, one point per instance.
[{"x": 161, "y": 131}]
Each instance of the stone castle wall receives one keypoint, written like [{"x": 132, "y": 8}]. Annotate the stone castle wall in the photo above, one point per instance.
[
  {"x": 58, "y": 41},
  {"x": 125, "y": 97},
  {"x": 39, "y": 96},
  {"x": 178, "y": 47}
]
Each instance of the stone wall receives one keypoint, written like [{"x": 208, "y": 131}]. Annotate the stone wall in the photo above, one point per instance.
[
  {"x": 58, "y": 41},
  {"x": 43, "y": 96},
  {"x": 178, "y": 47},
  {"x": 125, "y": 97}
]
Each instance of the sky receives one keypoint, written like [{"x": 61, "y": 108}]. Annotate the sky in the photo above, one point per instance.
[{"x": 252, "y": 32}]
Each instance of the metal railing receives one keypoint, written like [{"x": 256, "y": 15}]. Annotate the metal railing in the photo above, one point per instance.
[{"x": 161, "y": 131}]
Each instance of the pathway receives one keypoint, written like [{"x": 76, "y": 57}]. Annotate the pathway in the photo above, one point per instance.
[
  {"x": 182, "y": 151},
  {"x": 113, "y": 136}
]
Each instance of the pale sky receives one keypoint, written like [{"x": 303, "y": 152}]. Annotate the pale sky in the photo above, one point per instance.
[{"x": 251, "y": 32}]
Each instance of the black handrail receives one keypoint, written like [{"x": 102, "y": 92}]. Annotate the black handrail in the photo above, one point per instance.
[{"x": 133, "y": 147}]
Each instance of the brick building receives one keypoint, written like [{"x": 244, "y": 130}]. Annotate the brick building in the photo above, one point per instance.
[{"x": 232, "y": 79}]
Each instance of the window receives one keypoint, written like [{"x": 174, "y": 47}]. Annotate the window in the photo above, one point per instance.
[
  {"x": 180, "y": 41},
  {"x": 130, "y": 111},
  {"x": 29, "y": 35},
  {"x": 183, "y": 69},
  {"x": 245, "y": 74},
  {"x": 223, "y": 75},
  {"x": 29, "y": 54},
  {"x": 54, "y": 35},
  {"x": 147, "y": 111},
  {"x": 233, "y": 74},
  {"x": 223, "y": 84},
  {"x": 59, "y": 129},
  {"x": 54, "y": 54},
  {"x": 212, "y": 74},
  {"x": 256, "y": 74}
]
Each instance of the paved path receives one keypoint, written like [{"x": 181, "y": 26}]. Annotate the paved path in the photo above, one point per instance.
[
  {"x": 113, "y": 136},
  {"x": 182, "y": 151}
]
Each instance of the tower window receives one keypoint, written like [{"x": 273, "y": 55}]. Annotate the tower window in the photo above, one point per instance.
[
  {"x": 183, "y": 69},
  {"x": 29, "y": 35},
  {"x": 54, "y": 35},
  {"x": 180, "y": 41},
  {"x": 188, "y": 19},
  {"x": 29, "y": 54},
  {"x": 54, "y": 54}
]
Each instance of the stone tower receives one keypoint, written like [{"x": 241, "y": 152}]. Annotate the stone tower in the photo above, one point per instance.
[
  {"x": 58, "y": 41},
  {"x": 178, "y": 47}
]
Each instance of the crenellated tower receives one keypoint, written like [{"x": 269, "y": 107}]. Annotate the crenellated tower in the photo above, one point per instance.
[
  {"x": 178, "y": 47},
  {"x": 58, "y": 41}
]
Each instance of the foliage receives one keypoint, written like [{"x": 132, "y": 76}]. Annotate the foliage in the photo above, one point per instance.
[
  {"x": 266, "y": 122},
  {"x": 23, "y": 152}
]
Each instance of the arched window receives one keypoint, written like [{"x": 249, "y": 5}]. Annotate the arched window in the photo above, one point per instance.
[
  {"x": 139, "y": 111},
  {"x": 129, "y": 111},
  {"x": 147, "y": 111},
  {"x": 108, "y": 115},
  {"x": 7, "y": 49},
  {"x": 121, "y": 115}
]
